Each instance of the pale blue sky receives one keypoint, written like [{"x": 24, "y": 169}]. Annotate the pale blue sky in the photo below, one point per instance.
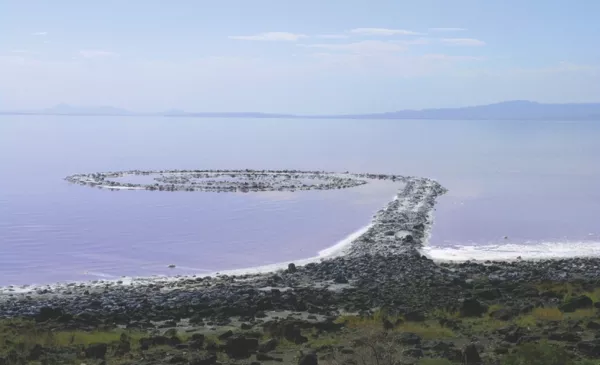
[{"x": 309, "y": 56}]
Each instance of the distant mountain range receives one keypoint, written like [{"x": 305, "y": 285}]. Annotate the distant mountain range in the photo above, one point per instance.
[{"x": 508, "y": 110}]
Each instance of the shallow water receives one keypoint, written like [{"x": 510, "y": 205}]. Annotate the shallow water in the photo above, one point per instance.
[{"x": 534, "y": 182}]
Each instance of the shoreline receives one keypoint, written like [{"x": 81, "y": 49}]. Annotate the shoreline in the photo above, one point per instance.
[
  {"x": 381, "y": 266},
  {"x": 339, "y": 248},
  {"x": 342, "y": 248}
]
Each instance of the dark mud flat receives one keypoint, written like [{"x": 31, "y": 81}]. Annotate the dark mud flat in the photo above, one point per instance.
[{"x": 381, "y": 298}]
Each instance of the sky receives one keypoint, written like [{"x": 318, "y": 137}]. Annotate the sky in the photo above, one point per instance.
[{"x": 289, "y": 56}]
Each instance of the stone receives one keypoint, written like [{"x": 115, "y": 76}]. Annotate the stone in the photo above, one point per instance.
[
  {"x": 502, "y": 314},
  {"x": 208, "y": 359},
  {"x": 176, "y": 359},
  {"x": 123, "y": 347},
  {"x": 527, "y": 309},
  {"x": 408, "y": 338},
  {"x": 514, "y": 335},
  {"x": 387, "y": 325},
  {"x": 488, "y": 294},
  {"x": 472, "y": 307},
  {"x": 471, "y": 355},
  {"x": 48, "y": 313},
  {"x": 195, "y": 344},
  {"x": 415, "y": 316},
  {"x": 454, "y": 355},
  {"x": 418, "y": 353},
  {"x": 340, "y": 279},
  {"x": 441, "y": 346},
  {"x": 35, "y": 353},
  {"x": 264, "y": 357},
  {"x": 240, "y": 347},
  {"x": 268, "y": 346},
  {"x": 589, "y": 348},
  {"x": 198, "y": 337},
  {"x": 579, "y": 302},
  {"x": 293, "y": 334},
  {"x": 292, "y": 268},
  {"x": 564, "y": 336},
  {"x": 170, "y": 332},
  {"x": 226, "y": 335},
  {"x": 96, "y": 351},
  {"x": 593, "y": 325},
  {"x": 145, "y": 343},
  {"x": 527, "y": 338},
  {"x": 308, "y": 359}
]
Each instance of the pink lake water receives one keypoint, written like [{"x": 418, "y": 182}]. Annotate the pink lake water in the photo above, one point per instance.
[{"x": 515, "y": 188}]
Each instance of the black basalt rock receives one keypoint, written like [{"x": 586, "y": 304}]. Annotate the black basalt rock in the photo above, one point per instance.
[{"x": 471, "y": 307}]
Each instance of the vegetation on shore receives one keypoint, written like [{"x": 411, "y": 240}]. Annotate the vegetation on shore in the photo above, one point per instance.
[{"x": 565, "y": 333}]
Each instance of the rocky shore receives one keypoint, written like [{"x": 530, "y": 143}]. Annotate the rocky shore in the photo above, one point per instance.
[{"x": 468, "y": 312}]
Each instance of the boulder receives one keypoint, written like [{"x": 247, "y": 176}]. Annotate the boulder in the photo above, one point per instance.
[
  {"x": 171, "y": 332},
  {"x": 207, "y": 359},
  {"x": 308, "y": 359},
  {"x": 176, "y": 359},
  {"x": 415, "y": 316},
  {"x": 488, "y": 294},
  {"x": 226, "y": 335},
  {"x": 123, "y": 346},
  {"x": 35, "y": 353},
  {"x": 579, "y": 302},
  {"x": 454, "y": 355},
  {"x": 564, "y": 336},
  {"x": 268, "y": 346},
  {"x": 96, "y": 351},
  {"x": 471, "y": 355},
  {"x": 199, "y": 338},
  {"x": 408, "y": 338},
  {"x": 264, "y": 357},
  {"x": 387, "y": 325},
  {"x": 292, "y": 268},
  {"x": 195, "y": 344},
  {"x": 472, "y": 307},
  {"x": 340, "y": 279},
  {"x": 527, "y": 339},
  {"x": 513, "y": 336},
  {"x": 240, "y": 347},
  {"x": 290, "y": 332},
  {"x": 502, "y": 314},
  {"x": 527, "y": 308},
  {"x": 415, "y": 352},
  {"x": 145, "y": 343},
  {"x": 48, "y": 313},
  {"x": 589, "y": 348}
]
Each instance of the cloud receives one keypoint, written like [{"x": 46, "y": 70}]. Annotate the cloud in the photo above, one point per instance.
[
  {"x": 462, "y": 42},
  {"x": 332, "y": 36},
  {"x": 445, "y": 57},
  {"x": 447, "y": 29},
  {"x": 360, "y": 66},
  {"x": 383, "y": 32},
  {"x": 94, "y": 53},
  {"x": 417, "y": 41},
  {"x": 40, "y": 33},
  {"x": 270, "y": 36},
  {"x": 361, "y": 47}
]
